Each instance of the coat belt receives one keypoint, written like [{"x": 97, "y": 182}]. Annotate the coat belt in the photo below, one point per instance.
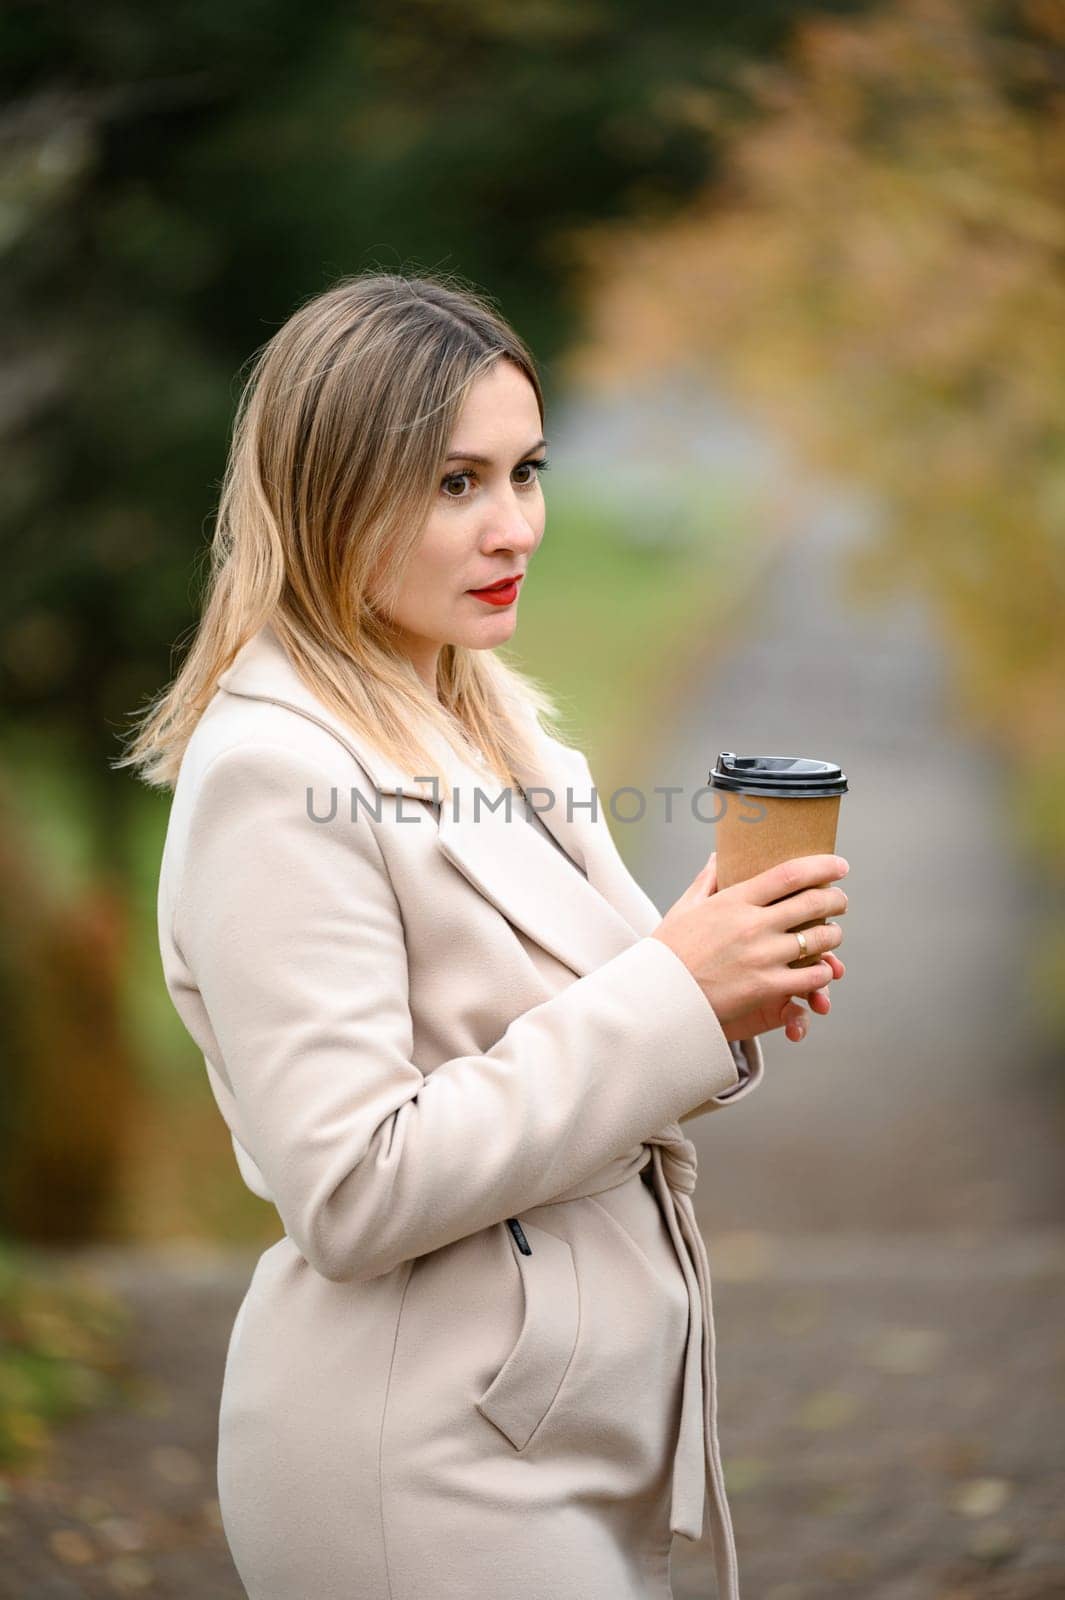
[
  {"x": 698, "y": 1458},
  {"x": 697, "y": 1461}
]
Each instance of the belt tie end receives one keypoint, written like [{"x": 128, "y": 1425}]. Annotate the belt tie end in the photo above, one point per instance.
[{"x": 698, "y": 1458}]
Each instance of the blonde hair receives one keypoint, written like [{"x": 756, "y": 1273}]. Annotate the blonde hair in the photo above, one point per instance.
[{"x": 335, "y": 458}]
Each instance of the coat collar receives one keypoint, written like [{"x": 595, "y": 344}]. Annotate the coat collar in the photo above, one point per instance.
[{"x": 581, "y": 921}]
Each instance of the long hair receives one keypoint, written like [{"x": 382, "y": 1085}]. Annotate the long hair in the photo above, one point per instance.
[{"x": 337, "y": 447}]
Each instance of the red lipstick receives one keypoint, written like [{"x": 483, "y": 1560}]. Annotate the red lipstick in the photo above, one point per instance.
[{"x": 503, "y": 593}]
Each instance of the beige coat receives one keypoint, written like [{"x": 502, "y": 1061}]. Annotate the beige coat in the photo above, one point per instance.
[{"x": 480, "y": 1361}]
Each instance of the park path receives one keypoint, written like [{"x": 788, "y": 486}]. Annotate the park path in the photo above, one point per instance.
[
  {"x": 890, "y": 1420},
  {"x": 921, "y": 1100},
  {"x": 889, "y": 1356}
]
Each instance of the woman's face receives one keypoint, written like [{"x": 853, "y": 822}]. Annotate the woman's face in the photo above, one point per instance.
[{"x": 487, "y": 520}]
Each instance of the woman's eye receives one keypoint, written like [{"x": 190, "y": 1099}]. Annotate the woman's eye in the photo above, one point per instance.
[
  {"x": 534, "y": 468},
  {"x": 456, "y": 477}
]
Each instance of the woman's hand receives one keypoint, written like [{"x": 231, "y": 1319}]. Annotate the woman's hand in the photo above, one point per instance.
[
  {"x": 791, "y": 1016},
  {"x": 774, "y": 1011}
]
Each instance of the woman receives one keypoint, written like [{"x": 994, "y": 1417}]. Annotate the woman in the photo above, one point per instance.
[{"x": 452, "y": 1042}]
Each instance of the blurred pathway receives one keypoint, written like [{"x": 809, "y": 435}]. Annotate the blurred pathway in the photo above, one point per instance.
[
  {"x": 871, "y": 1444},
  {"x": 918, "y": 1101}
]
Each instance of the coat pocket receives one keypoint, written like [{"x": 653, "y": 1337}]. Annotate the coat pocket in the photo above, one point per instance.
[{"x": 526, "y": 1385}]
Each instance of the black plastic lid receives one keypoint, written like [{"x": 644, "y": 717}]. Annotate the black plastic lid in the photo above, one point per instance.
[{"x": 773, "y": 776}]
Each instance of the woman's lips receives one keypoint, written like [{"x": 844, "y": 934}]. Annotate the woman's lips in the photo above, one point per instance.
[{"x": 501, "y": 594}]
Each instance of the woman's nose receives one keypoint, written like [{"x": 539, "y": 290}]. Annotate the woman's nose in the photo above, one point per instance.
[{"x": 516, "y": 534}]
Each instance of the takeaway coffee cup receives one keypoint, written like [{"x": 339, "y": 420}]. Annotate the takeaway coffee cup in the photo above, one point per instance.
[{"x": 774, "y": 808}]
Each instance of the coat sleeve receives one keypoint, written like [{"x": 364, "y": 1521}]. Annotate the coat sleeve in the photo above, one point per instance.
[
  {"x": 751, "y": 1065},
  {"x": 292, "y": 934}
]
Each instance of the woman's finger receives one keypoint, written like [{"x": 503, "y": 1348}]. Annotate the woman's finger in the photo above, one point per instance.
[
  {"x": 819, "y": 1000},
  {"x": 822, "y": 995},
  {"x": 794, "y": 1016}
]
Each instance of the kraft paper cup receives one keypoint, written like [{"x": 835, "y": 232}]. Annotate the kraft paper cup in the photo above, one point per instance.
[{"x": 774, "y": 808}]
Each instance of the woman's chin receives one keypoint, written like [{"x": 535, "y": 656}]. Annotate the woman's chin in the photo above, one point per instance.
[{"x": 490, "y": 630}]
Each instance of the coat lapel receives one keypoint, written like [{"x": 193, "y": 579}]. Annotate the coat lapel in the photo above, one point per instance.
[{"x": 581, "y": 921}]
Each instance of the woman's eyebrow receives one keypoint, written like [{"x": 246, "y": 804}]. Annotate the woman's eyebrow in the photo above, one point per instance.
[{"x": 486, "y": 461}]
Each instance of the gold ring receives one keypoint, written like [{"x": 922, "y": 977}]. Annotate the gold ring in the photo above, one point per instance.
[{"x": 802, "y": 942}]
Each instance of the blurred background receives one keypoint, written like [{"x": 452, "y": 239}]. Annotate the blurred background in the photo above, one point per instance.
[{"x": 796, "y": 278}]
